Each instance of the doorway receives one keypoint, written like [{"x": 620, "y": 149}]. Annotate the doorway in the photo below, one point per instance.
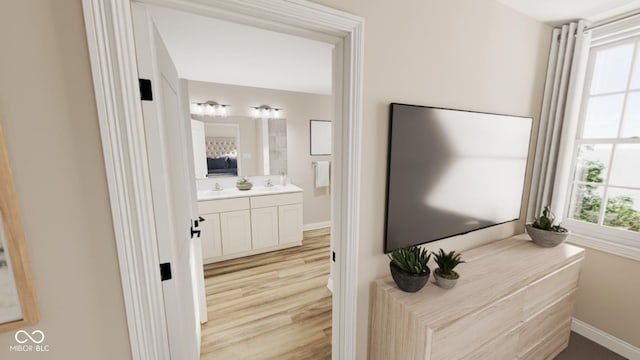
[{"x": 117, "y": 93}]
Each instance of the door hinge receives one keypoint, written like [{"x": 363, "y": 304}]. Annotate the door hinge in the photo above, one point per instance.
[
  {"x": 333, "y": 256},
  {"x": 145, "y": 90},
  {"x": 165, "y": 271}
]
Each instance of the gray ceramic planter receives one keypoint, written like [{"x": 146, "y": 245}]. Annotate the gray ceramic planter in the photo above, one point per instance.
[
  {"x": 546, "y": 238},
  {"x": 408, "y": 282},
  {"x": 444, "y": 282}
]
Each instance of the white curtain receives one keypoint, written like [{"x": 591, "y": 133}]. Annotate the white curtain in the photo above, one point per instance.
[{"x": 559, "y": 118}]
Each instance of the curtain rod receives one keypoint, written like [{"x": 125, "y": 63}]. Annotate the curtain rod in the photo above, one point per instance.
[{"x": 611, "y": 21}]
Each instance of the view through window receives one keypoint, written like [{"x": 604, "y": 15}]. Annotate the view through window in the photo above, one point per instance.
[{"x": 605, "y": 187}]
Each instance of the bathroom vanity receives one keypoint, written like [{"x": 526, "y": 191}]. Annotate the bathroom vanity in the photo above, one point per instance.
[{"x": 241, "y": 223}]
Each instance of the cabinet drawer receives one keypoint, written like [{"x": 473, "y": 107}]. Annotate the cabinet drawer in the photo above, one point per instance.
[
  {"x": 550, "y": 288},
  {"x": 477, "y": 328},
  {"x": 550, "y": 346},
  {"x": 276, "y": 200},
  {"x": 502, "y": 347},
  {"x": 223, "y": 205},
  {"x": 538, "y": 326}
]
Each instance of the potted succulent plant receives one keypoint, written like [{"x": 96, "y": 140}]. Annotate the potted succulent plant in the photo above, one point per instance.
[
  {"x": 445, "y": 276},
  {"x": 545, "y": 232},
  {"x": 243, "y": 184},
  {"x": 409, "y": 268}
]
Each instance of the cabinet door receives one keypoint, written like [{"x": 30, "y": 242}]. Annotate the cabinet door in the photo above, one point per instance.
[
  {"x": 264, "y": 227},
  {"x": 235, "y": 229},
  {"x": 290, "y": 223},
  {"x": 210, "y": 235}
]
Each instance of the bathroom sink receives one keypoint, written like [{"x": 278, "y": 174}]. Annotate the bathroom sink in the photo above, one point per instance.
[{"x": 268, "y": 188}]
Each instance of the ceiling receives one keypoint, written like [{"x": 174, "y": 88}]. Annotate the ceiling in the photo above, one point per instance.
[
  {"x": 556, "y": 12},
  {"x": 211, "y": 50}
]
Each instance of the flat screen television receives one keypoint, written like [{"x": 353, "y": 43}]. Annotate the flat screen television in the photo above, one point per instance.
[{"x": 451, "y": 172}]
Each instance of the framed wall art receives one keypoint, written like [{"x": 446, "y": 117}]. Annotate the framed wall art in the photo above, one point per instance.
[{"x": 18, "y": 305}]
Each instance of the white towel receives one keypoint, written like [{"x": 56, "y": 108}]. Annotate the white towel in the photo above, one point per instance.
[{"x": 322, "y": 174}]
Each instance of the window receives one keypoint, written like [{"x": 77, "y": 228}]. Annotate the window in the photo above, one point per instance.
[{"x": 605, "y": 185}]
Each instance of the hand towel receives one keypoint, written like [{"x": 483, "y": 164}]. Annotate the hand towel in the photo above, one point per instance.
[{"x": 322, "y": 174}]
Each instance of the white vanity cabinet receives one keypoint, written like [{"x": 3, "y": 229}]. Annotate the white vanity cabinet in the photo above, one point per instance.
[{"x": 252, "y": 223}]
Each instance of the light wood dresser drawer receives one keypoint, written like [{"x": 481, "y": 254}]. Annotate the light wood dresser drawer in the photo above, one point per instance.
[
  {"x": 551, "y": 345},
  {"x": 553, "y": 286},
  {"x": 477, "y": 328},
  {"x": 538, "y": 326},
  {"x": 502, "y": 347}
]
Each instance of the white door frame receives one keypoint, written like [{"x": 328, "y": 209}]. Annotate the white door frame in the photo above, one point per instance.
[{"x": 113, "y": 64}]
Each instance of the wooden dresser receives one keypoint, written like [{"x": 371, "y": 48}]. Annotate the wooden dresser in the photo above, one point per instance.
[{"x": 514, "y": 300}]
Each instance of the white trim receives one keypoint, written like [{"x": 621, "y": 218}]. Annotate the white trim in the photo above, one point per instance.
[
  {"x": 610, "y": 247},
  {"x": 113, "y": 66},
  {"x": 114, "y": 69},
  {"x": 316, "y": 226},
  {"x": 330, "y": 284},
  {"x": 602, "y": 338}
]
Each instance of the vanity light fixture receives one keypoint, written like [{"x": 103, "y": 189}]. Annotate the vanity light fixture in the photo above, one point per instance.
[
  {"x": 210, "y": 108},
  {"x": 266, "y": 112}
]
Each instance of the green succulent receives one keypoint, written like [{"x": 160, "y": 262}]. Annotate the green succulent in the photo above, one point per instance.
[
  {"x": 242, "y": 180},
  {"x": 447, "y": 261},
  {"x": 546, "y": 221},
  {"x": 412, "y": 259}
]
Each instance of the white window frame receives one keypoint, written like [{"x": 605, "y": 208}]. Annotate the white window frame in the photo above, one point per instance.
[{"x": 617, "y": 241}]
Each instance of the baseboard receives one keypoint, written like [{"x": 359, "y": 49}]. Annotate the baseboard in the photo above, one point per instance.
[
  {"x": 330, "y": 284},
  {"x": 607, "y": 340},
  {"x": 315, "y": 226}
]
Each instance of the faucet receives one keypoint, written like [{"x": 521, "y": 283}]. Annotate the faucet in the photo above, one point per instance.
[
  {"x": 217, "y": 187},
  {"x": 268, "y": 184}
]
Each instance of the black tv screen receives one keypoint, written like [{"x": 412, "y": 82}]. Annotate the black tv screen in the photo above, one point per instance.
[{"x": 451, "y": 172}]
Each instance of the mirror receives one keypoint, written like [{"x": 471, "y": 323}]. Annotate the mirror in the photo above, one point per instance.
[
  {"x": 238, "y": 146},
  {"x": 18, "y": 306}
]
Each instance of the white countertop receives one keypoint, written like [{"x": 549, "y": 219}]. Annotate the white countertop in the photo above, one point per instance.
[{"x": 256, "y": 190}]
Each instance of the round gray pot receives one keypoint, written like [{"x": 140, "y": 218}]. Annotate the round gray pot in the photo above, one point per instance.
[
  {"x": 546, "y": 238},
  {"x": 444, "y": 282},
  {"x": 408, "y": 282}
]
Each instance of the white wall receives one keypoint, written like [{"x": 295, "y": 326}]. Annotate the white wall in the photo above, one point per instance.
[
  {"x": 299, "y": 109},
  {"x": 466, "y": 54},
  {"x": 608, "y": 293},
  {"x": 49, "y": 116}
]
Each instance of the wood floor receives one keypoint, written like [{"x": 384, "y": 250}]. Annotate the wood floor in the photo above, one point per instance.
[{"x": 270, "y": 306}]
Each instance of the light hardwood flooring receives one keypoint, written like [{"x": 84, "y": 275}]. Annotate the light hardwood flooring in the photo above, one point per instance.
[{"x": 271, "y": 306}]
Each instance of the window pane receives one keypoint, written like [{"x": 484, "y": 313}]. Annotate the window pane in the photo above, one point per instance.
[
  {"x": 603, "y": 117},
  {"x": 631, "y": 125},
  {"x": 586, "y": 201},
  {"x": 625, "y": 170},
  {"x": 623, "y": 209},
  {"x": 635, "y": 78},
  {"x": 611, "y": 70},
  {"x": 593, "y": 161}
]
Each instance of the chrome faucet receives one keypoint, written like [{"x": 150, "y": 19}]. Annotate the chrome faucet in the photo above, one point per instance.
[
  {"x": 217, "y": 187},
  {"x": 268, "y": 184}
]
